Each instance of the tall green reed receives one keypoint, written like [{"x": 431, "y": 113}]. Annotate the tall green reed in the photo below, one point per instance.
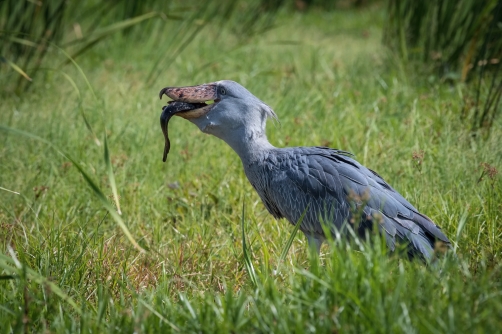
[{"x": 459, "y": 41}]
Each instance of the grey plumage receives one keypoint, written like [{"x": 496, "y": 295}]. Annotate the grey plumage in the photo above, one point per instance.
[
  {"x": 328, "y": 180},
  {"x": 328, "y": 183}
]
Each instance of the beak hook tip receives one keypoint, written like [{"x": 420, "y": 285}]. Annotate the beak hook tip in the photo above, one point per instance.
[{"x": 162, "y": 92}]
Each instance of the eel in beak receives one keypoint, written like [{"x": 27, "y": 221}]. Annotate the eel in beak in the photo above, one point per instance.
[{"x": 188, "y": 102}]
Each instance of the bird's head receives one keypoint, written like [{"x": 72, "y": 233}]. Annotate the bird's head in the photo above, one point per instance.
[{"x": 234, "y": 110}]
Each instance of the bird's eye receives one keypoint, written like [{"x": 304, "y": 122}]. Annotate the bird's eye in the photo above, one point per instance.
[{"x": 223, "y": 91}]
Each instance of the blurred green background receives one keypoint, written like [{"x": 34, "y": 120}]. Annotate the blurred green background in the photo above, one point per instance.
[{"x": 413, "y": 89}]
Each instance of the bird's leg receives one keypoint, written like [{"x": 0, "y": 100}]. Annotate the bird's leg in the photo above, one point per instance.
[{"x": 315, "y": 243}]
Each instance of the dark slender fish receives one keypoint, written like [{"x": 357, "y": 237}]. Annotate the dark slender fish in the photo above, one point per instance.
[{"x": 167, "y": 112}]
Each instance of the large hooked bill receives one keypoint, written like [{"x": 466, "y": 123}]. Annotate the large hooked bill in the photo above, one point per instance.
[{"x": 189, "y": 102}]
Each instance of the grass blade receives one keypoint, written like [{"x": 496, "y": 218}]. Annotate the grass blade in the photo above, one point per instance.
[
  {"x": 285, "y": 251},
  {"x": 460, "y": 228},
  {"x": 23, "y": 41},
  {"x": 158, "y": 315},
  {"x": 79, "y": 69},
  {"x": 10, "y": 191},
  {"x": 16, "y": 68},
  {"x": 81, "y": 108},
  {"x": 125, "y": 24},
  {"x": 103, "y": 32},
  {"x": 247, "y": 255},
  {"x": 111, "y": 176},
  {"x": 99, "y": 35},
  {"x": 7, "y": 277}
]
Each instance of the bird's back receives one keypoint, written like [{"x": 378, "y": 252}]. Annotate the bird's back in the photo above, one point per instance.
[{"x": 336, "y": 189}]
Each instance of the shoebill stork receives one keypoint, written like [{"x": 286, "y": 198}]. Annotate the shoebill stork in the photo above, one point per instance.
[{"x": 329, "y": 185}]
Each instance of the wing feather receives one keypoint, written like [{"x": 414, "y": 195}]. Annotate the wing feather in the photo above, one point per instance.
[{"x": 327, "y": 181}]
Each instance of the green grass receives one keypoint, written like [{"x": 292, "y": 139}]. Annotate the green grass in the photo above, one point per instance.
[{"x": 67, "y": 266}]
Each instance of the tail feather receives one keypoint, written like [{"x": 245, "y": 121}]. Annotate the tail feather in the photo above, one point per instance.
[
  {"x": 418, "y": 244},
  {"x": 429, "y": 227}
]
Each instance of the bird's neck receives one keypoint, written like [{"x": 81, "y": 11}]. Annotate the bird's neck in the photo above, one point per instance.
[{"x": 252, "y": 146}]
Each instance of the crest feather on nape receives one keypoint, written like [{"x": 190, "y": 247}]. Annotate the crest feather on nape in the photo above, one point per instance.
[{"x": 269, "y": 112}]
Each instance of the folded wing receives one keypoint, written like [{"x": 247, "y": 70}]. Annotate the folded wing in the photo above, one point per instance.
[{"x": 340, "y": 191}]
